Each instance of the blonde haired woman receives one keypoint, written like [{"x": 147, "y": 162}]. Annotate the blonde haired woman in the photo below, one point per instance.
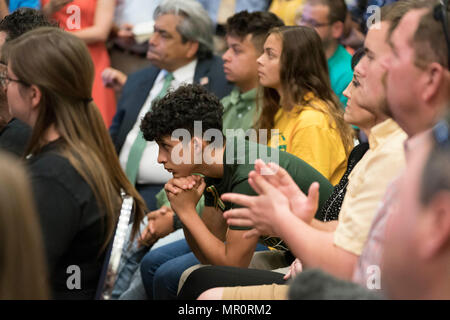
[
  {"x": 23, "y": 272},
  {"x": 75, "y": 172}
]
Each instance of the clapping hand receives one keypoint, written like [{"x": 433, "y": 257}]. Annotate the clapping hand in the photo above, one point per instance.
[
  {"x": 279, "y": 197},
  {"x": 303, "y": 206},
  {"x": 295, "y": 268}
]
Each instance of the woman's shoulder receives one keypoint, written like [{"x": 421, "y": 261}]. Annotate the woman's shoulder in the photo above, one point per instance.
[
  {"x": 313, "y": 112},
  {"x": 53, "y": 169},
  {"x": 313, "y": 115},
  {"x": 49, "y": 163}
]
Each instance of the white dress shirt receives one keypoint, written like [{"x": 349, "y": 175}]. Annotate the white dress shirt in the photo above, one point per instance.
[{"x": 150, "y": 171}]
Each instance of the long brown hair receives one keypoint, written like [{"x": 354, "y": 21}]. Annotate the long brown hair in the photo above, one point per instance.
[
  {"x": 23, "y": 273},
  {"x": 303, "y": 69},
  {"x": 60, "y": 65}
]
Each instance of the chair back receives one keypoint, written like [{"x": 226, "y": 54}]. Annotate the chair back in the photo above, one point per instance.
[{"x": 114, "y": 251}]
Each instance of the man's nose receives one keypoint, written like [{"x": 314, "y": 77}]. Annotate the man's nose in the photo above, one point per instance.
[
  {"x": 226, "y": 55},
  {"x": 153, "y": 41}
]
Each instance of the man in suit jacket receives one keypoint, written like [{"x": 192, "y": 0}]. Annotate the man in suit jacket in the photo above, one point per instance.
[{"x": 180, "y": 50}]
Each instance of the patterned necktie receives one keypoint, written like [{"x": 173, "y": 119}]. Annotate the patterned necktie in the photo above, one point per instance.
[{"x": 139, "y": 144}]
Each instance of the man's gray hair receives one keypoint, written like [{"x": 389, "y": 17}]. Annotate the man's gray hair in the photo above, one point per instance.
[{"x": 196, "y": 24}]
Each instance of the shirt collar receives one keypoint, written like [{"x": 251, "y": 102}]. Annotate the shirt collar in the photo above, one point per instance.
[
  {"x": 382, "y": 132},
  {"x": 236, "y": 95},
  {"x": 336, "y": 53},
  {"x": 249, "y": 95},
  {"x": 184, "y": 73},
  {"x": 417, "y": 141}
]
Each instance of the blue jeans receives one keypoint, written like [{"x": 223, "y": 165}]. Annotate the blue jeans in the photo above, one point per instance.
[
  {"x": 128, "y": 285},
  {"x": 129, "y": 263},
  {"x": 162, "y": 268}
]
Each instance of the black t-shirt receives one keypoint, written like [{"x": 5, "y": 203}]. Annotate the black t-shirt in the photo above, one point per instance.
[
  {"x": 72, "y": 225},
  {"x": 14, "y": 137}
]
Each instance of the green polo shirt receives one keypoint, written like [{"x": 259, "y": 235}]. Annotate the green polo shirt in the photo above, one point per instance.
[
  {"x": 239, "y": 109},
  {"x": 236, "y": 168}
]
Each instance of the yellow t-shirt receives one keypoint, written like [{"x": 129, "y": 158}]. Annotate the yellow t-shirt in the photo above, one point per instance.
[
  {"x": 306, "y": 133},
  {"x": 286, "y": 10}
]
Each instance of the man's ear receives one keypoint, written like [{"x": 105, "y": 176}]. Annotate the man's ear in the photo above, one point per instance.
[
  {"x": 337, "y": 30},
  {"x": 35, "y": 96},
  {"x": 192, "y": 50},
  {"x": 432, "y": 81},
  {"x": 436, "y": 220}
]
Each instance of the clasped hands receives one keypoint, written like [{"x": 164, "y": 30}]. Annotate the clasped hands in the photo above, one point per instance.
[
  {"x": 159, "y": 225},
  {"x": 184, "y": 193},
  {"x": 278, "y": 198}
]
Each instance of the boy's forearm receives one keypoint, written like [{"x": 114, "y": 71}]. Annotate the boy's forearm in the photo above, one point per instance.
[
  {"x": 205, "y": 245},
  {"x": 194, "y": 246}
]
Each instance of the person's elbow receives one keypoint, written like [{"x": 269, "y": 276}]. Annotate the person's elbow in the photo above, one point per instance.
[
  {"x": 345, "y": 264},
  {"x": 102, "y": 36},
  {"x": 98, "y": 33},
  {"x": 237, "y": 260}
]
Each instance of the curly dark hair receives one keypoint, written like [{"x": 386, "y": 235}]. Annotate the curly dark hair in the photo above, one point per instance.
[
  {"x": 179, "y": 109},
  {"x": 256, "y": 23},
  {"x": 23, "y": 20}
]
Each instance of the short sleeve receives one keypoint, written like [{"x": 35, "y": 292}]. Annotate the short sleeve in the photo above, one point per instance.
[{"x": 365, "y": 192}]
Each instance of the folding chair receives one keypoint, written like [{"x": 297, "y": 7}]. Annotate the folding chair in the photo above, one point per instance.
[{"x": 114, "y": 251}]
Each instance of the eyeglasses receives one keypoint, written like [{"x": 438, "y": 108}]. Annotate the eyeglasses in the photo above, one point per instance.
[
  {"x": 5, "y": 80},
  {"x": 311, "y": 23},
  {"x": 440, "y": 13}
]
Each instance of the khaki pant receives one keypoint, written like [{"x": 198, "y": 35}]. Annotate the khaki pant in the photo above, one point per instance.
[
  {"x": 263, "y": 260},
  {"x": 262, "y": 292}
]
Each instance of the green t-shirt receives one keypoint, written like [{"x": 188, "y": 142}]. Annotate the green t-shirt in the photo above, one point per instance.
[
  {"x": 341, "y": 74},
  {"x": 235, "y": 179},
  {"x": 239, "y": 113}
]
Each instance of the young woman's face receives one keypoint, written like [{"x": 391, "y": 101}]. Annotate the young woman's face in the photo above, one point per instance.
[
  {"x": 354, "y": 114},
  {"x": 269, "y": 63},
  {"x": 19, "y": 102}
]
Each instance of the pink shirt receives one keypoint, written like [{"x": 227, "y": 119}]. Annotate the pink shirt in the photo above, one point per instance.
[{"x": 371, "y": 256}]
